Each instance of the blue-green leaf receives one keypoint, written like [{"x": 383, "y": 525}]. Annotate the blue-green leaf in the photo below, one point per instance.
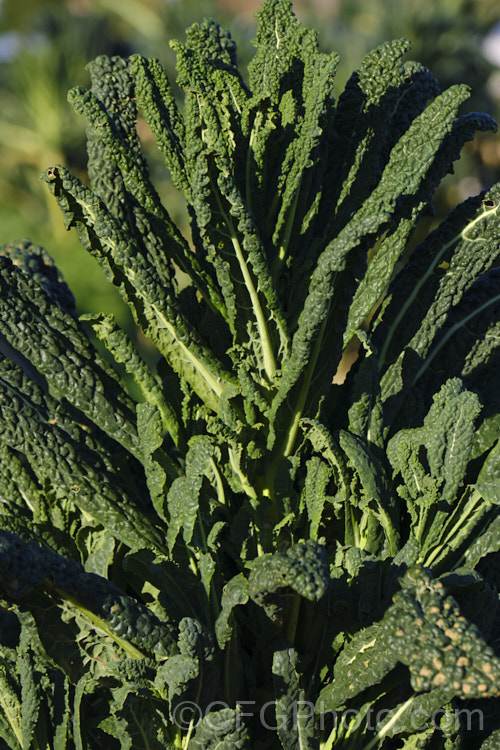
[{"x": 294, "y": 715}]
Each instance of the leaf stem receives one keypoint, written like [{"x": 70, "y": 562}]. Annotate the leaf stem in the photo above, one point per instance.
[
  {"x": 419, "y": 284},
  {"x": 292, "y": 619},
  {"x": 444, "y": 339},
  {"x": 463, "y": 516},
  {"x": 304, "y": 392},
  {"x": 218, "y": 482},
  {"x": 265, "y": 339},
  {"x": 185, "y": 744},
  {"x": 10, "y": 718},
  {"x": 283, "y": 246},
  {"x": 214, "y": 382},
  {"x": 381, "y": 734},
  {"x": 97, "y": 622},
  {"x": 247, "y": 487}
]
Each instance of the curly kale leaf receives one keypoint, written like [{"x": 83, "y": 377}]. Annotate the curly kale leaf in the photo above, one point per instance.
[
  {"x": 491, "y": 742},
  {"x": 488, "y": 479},
  {"x": 190, "y": 675},
  {"x": 455, "y": 655},
  {"x": 35, "y": 696},
  {"x": 10, "y": 702},
  {"x": 25, "y": 567},
  {"x": 447, "y": 437},
  {"x": 136, "y": 720},
  {"x": 333, "y": 280},
  {"x": 158, "y": 309},
  {"x": 423, "y": 629},
  {"x": 184, "y": 495},
  {"x": 69, "y": 463},
  {"x": 37, "y": 263},
  {"x": 314, "y": 495},
  {"x": 381, "y": 269},
  {"x": 363, "y": 662},
  {"x": 140, "y": 672},
  {"x": 303, "y": 568},
  {"x": 224, "y": 230},
  {"x": 37, "y": 327},
  {"x": 123, "y": 350},
  {"x": 294, "y": 719},
  {"x": 234, "y": 592},
  {"x": 371, "y": 492},
  {"x": 221, "y": 730},
  {"x": 117, "y": 167},
  {"x": 361, "y": 483},
  {"x": 427, "y": 311},
  {"x": 432, "y": 462}
]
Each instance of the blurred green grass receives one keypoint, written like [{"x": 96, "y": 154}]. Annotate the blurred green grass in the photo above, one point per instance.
[{"x": 45, "y": 44}]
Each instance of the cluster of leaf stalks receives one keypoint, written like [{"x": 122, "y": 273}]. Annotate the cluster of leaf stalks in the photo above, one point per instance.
[{"x": 230, "y": 549}]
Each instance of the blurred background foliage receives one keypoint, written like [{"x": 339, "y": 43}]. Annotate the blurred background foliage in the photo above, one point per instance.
[{"x": 45, "y": 45}]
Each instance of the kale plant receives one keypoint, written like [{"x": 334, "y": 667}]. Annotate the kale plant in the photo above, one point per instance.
[{"x": 238, "y": 548}]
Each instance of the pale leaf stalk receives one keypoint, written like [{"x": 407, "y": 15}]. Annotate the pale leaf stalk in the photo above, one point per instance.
[{"x": 265, "y": 339}]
